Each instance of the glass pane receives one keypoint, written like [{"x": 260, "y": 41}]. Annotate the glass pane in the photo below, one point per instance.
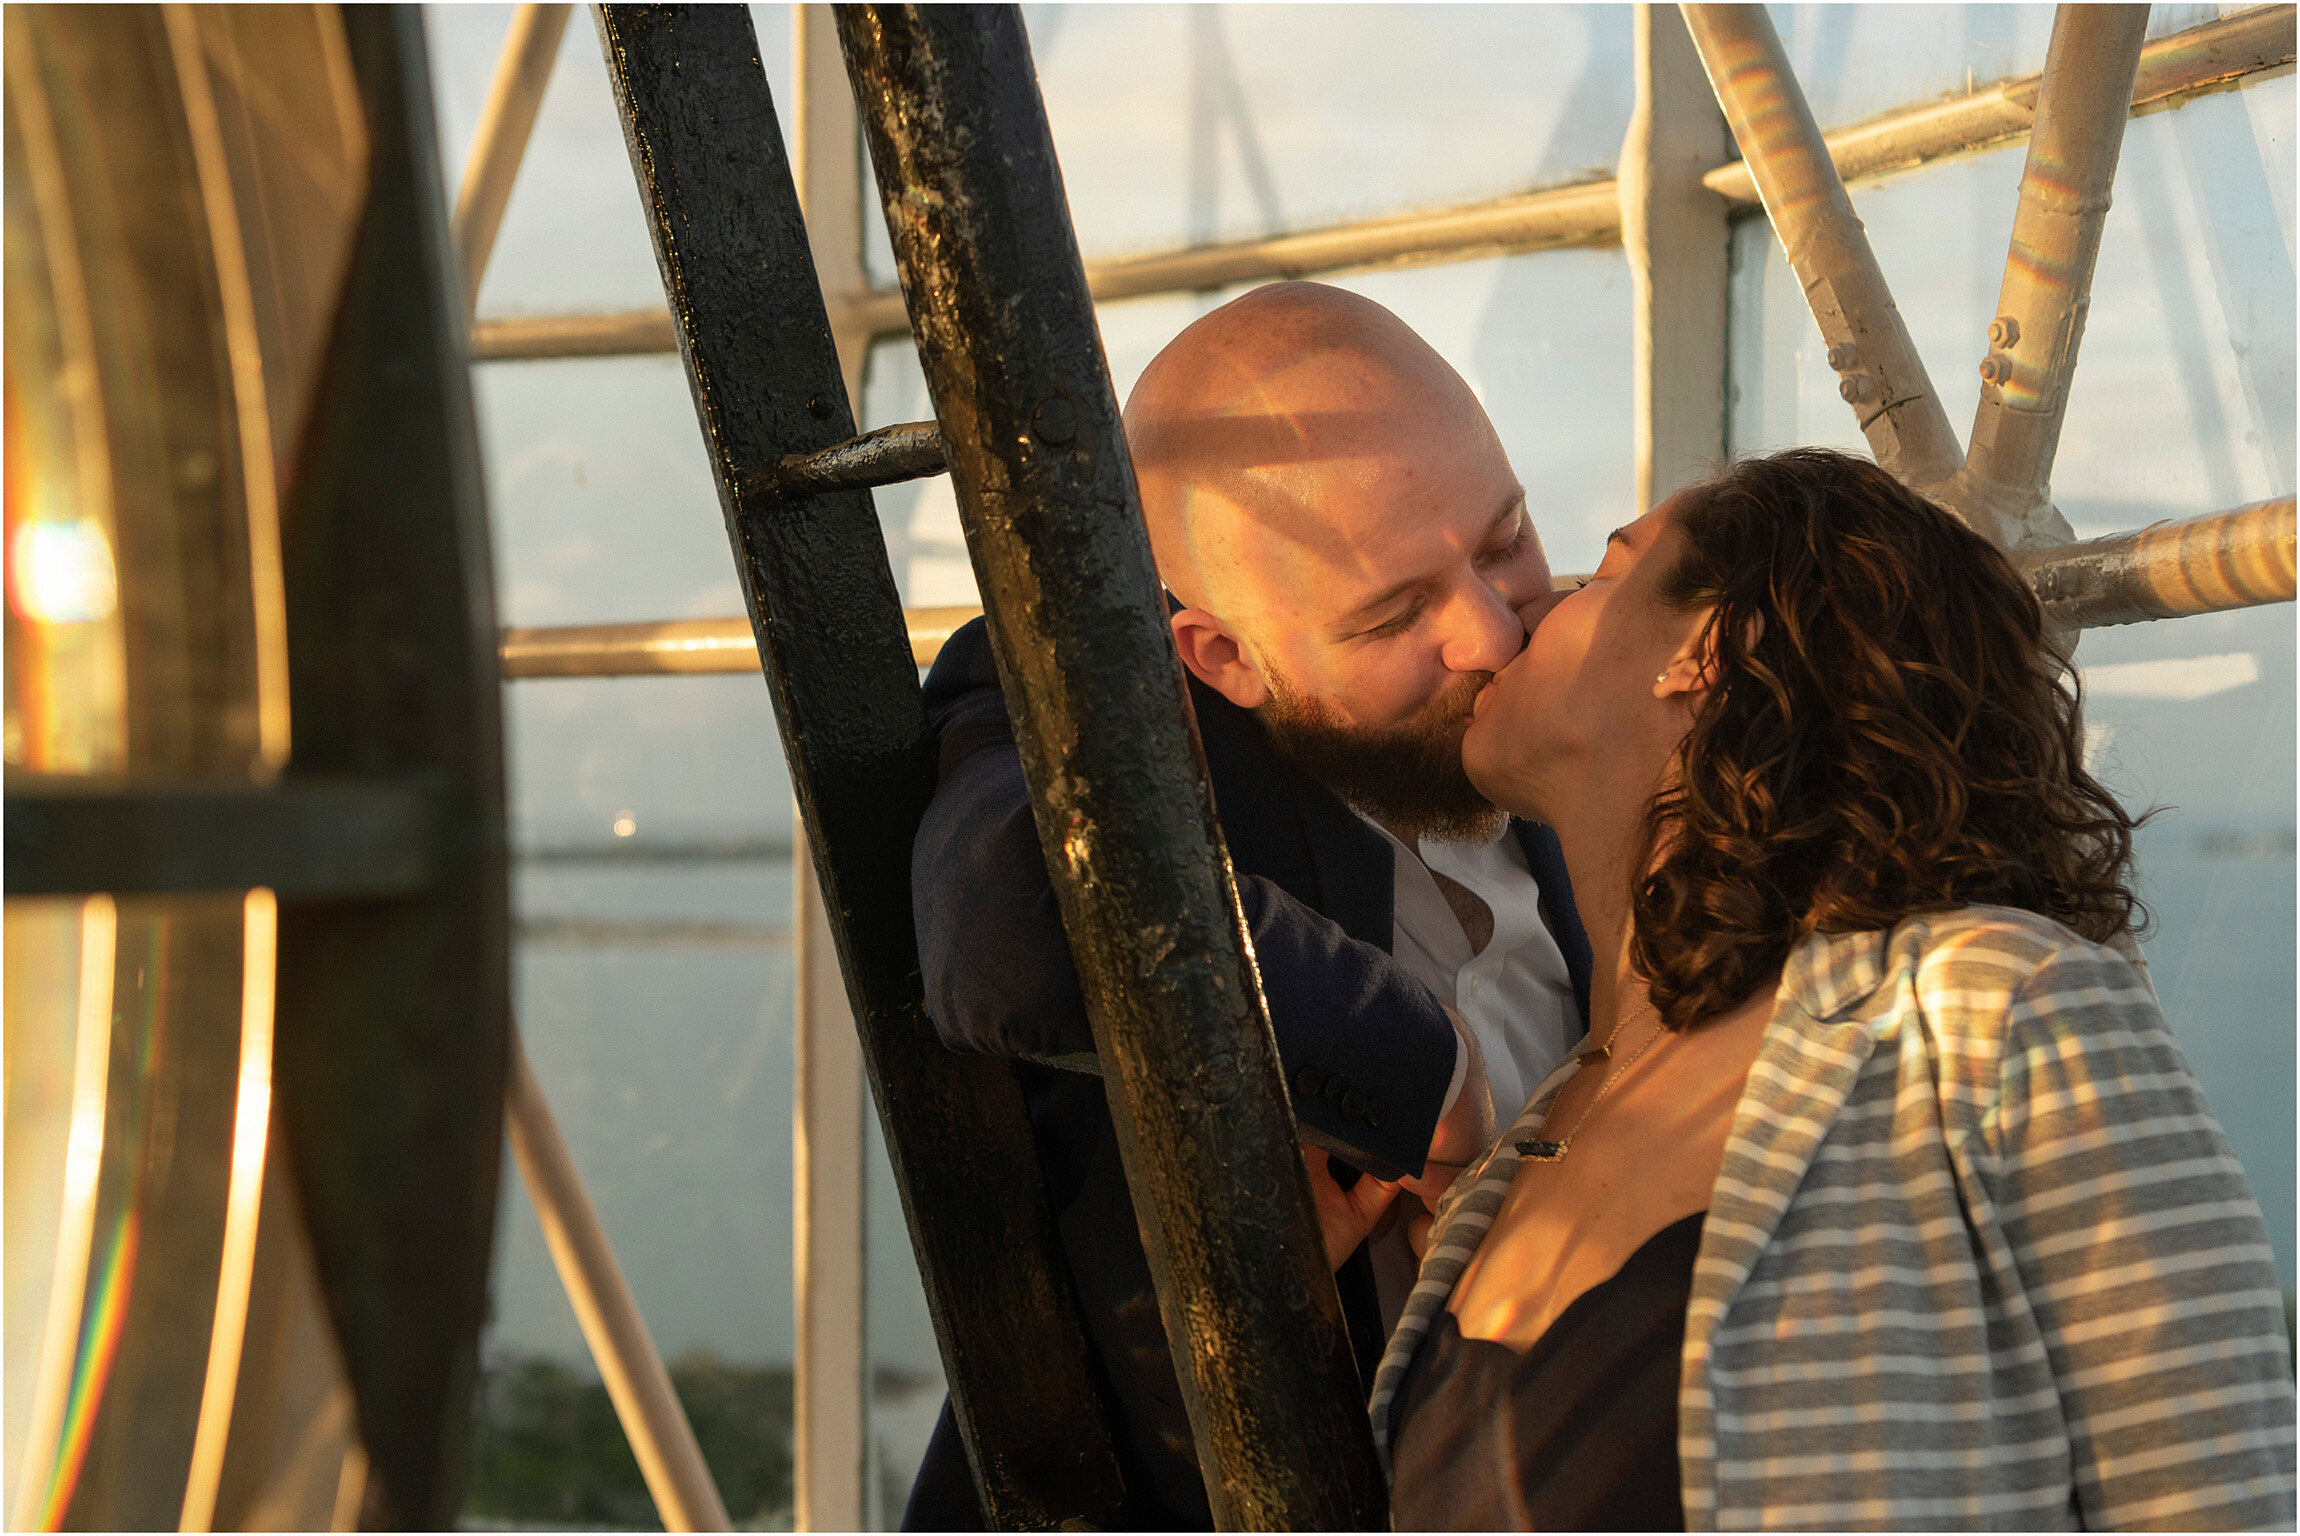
[
  {"x": 1859, "y": 61},
  {"x": 2183, "y": 404},
  {"x": 654, "y": 998},
  {"x": 574, "y": 236},
  {"x": 1181, "y": 124},
  {"x": 601, "y": 494}
]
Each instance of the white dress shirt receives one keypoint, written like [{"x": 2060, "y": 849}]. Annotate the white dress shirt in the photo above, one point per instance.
[{"x": 1515, "y": 994}]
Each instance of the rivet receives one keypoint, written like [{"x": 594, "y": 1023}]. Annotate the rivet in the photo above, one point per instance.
[
  {"x": 2004, "y": 331},
  {"x": 1843, "y": 356},
  {"x": 1854, "y": 387},
  {"x": 1056, "y": 421},
  {"x": 819, "y": 408}
]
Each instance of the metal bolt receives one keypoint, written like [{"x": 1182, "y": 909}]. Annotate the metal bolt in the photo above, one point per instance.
[
  {"x": 1843, "y": 356},
  {"x": 1056, "y": 421},
  {"x": 1994, "y": 369},
  {"x": 2004, "y": 331},
  {"x": 818, "y": 408},
  {"x": 1854, "y": 387}
]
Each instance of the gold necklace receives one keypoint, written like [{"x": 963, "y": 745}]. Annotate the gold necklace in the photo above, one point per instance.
[{"x": 1542, "y": 1150}]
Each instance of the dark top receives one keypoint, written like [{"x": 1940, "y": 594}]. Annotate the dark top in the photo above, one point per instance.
[
  {"x": 1579, "y": 1433},
  {"x": 1315, "y": 885}
]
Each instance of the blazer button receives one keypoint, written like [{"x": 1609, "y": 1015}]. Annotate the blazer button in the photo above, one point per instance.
[
  {"x": 1354, "y": 1104},
  {"x": 1309, "y": 1080},
  {"x": 1376, "y": 1110},
  {"x": 1336, "y": 1086}
]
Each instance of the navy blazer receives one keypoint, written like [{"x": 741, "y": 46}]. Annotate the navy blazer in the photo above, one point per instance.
[{"x": 1365, "y": 1046}]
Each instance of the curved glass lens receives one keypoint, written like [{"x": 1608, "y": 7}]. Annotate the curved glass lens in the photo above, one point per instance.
[{"x": 168, "y": 1361}]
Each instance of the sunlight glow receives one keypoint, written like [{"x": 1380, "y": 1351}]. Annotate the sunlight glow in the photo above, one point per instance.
[{"x": 62, "y": 573}]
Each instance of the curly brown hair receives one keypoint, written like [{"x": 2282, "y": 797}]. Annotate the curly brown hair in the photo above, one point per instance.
[{"x": 1898, "y": 739}]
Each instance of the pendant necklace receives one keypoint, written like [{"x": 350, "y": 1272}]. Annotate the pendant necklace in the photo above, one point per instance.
[{"x": 1546, "y": 1151}]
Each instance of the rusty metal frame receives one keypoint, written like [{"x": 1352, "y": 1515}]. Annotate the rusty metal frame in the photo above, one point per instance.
[{"x": 764, "y": 370}]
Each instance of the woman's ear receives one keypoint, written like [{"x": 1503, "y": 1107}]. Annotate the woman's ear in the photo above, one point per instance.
[
  {"x": 1693, "y": 669},
  {"x": 1217, "y": 658}
]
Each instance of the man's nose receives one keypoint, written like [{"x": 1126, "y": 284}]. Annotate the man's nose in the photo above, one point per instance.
[{"x": 1484, "y": 632}]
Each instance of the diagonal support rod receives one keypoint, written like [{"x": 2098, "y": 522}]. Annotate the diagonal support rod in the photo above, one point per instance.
[
  {"x": 1878, "y": 370},
  {"x": 2064, "y": 195},
  {"x": 513, "y": 100}
]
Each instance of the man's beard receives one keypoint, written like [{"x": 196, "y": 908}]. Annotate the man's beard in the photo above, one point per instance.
[{"x": 1406, "y": 776}]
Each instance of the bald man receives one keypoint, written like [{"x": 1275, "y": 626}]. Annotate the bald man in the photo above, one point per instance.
[{"x": 1347, "y": 554}]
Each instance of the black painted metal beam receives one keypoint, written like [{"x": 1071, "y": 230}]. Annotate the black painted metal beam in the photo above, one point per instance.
[
  {"x": 337, "y": 840},
  {"x": 910, "y": 451},
  {"x": 1005, "y": 326},
  {"x": 701, "y": 128},
  {"x": 395, "y": 1014}
]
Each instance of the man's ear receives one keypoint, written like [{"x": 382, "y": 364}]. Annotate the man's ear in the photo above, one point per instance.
[{"x": 1217, "y": 659}]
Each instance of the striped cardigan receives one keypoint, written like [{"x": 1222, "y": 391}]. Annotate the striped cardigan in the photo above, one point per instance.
[{"x": 1978, "y": 1257}]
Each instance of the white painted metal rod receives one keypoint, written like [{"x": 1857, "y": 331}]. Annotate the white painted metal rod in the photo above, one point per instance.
[
  {"x": 2238, "y": 559},
  {"x": 682, "y": 645},
  {"x": 636, "y": 1382},
  {"x": 2213, "y": 53},
  {"x": 2032, "y": 343},
  {"x": 2210, "y": 54},
  {"x": 2168, "y": 570},
  {"x": 521, "y": 72},
  {"x": 1878, "y": 370}
]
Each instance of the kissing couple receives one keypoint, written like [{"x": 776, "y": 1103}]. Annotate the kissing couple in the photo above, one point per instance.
[{"x": 1708, "y": 997}]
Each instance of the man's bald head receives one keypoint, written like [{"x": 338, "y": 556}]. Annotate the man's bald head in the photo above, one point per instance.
[
  {"x": 1328, "y": 500},
  {"x": 1245, "y": 428}
]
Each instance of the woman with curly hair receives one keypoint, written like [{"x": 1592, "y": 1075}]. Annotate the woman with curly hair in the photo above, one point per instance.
[{"x": 1880, "y": 1196}]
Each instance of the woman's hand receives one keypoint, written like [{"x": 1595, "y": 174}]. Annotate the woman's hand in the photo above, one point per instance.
[{"x": 1346, "y": 1217}]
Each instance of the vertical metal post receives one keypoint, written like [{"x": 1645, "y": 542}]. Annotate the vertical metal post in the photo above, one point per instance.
[
  {"x": 827, "y": 1192},
  {"x": 830, "y": 1408},
  {"x": 723, "y": 210},
  {"x": 2064, "y": 194},
  {"x": 1675, "y": 232},
  {"x": 1878, "y": 370},
  {"x": 999, "y": 304},
  {"x": 827, "y": 163}
]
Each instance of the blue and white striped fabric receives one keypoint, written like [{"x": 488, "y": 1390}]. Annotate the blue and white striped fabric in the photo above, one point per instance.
[{"x": 1979, "y": 1257}]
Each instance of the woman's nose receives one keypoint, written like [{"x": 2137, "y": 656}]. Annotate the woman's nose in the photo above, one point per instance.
[{"x": 1531, "y": 613}]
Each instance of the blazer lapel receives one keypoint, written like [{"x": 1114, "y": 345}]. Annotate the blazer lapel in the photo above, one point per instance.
[{"x": 1546, "y": 859}]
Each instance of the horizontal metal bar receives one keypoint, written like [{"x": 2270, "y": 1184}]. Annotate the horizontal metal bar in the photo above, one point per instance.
[
  {"x": 909, "y": 451},
  {"x": 307, "y": 839},
  {"x": 2200, "y": 58},
  {"x": 682, "y": 645},
  {"x": 2238, "y": 559},
  {"x": 2197, "y": 59},
  {"x": 628, "y": 333},
  {"x": 1583, "y": 214}
]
